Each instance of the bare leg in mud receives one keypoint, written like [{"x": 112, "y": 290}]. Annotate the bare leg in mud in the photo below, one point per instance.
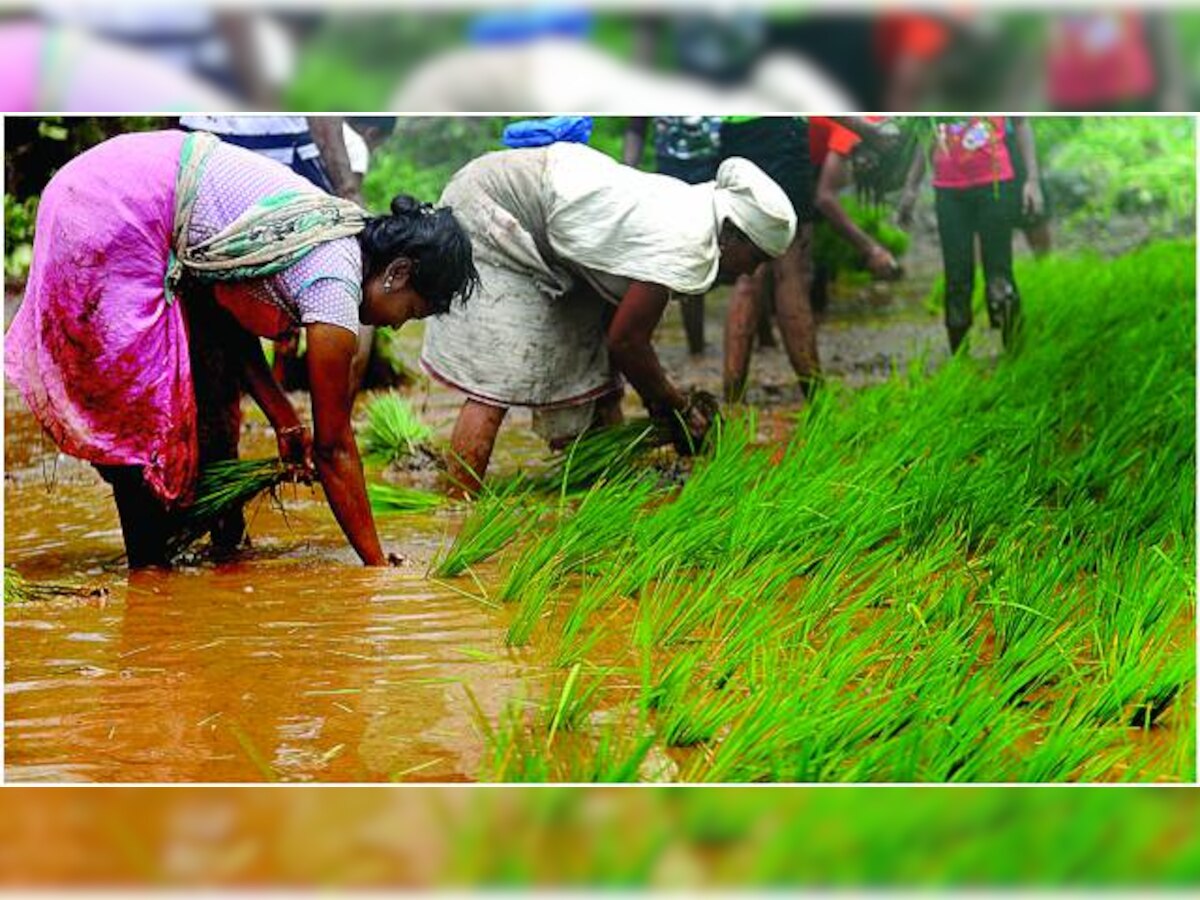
[
  {"x": 692, "y": 309},
  {"x": 741, "y": 322},
  {"x": 471, "y": 446},
  {"x": 793, "y": 309},
  {"x": 792, "y": 274},
  {"x": 608, "y": 411},
  {"x": 766, "y": 311}
]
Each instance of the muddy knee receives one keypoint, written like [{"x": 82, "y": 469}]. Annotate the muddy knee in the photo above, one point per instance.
[{"x": 1001, "y": 299}]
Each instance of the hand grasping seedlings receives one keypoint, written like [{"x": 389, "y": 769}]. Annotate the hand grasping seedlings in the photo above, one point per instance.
[{"x": 226, "y": 486}]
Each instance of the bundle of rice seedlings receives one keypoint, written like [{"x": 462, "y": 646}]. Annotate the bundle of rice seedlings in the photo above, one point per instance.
[
  {"x": 18, "y": 589},
  {"x": 600, "y": 452},
  {"x": 394, "y": 430},
  {"x": 223, "y": 487},
  {"x": 502, "y": 513},
  {"x": 390, "y": 498}
]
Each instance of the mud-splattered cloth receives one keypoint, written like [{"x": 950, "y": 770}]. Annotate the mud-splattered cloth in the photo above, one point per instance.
[
  {"x": 559, "y": 233},
  {"x": 99, "y": 354}
]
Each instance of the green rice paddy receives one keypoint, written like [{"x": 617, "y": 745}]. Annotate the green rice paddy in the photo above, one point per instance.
[{"x": 982, "y": 574}]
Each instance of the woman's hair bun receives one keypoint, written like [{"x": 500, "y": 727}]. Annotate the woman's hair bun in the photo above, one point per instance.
[
  {"x": 407, "y": 205},
  {"x": 439, "y": 248}
]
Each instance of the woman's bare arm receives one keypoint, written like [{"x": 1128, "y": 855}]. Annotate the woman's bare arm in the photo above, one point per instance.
[
  {"x": 630, "y": 350},
  {"x": 330, "y": 349}
]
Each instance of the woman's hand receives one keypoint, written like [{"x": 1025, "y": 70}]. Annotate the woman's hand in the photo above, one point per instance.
[
  {"x": 1032, "y": 201},
  {"x": 296, "y": 449},
  {"x": 881, "y": 263},
  {"x": 690, "y": 422}
]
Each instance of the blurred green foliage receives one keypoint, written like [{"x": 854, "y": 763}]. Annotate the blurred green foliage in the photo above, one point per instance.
[
  {"x": 424, "y": 152},
  {"x": 355, "y": 62},
  {"x": 19, "y": 219},
  {"x": 665, "y": 839},
  {"x": 1097, "y": 166}
]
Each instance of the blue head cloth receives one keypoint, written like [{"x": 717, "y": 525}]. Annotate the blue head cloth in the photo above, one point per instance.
[
  {"x": 516, "y": 26},
  {"x": 540, "y": 132}
]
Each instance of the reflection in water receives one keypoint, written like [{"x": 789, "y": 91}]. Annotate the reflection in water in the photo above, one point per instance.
[
  {"x": 292, "y": 664},
  {"x": 332, "y": 674}
]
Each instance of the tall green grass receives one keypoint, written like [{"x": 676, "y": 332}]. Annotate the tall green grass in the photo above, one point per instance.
[{"x": 983, "y": 574}]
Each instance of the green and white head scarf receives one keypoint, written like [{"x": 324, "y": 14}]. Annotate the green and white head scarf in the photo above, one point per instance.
[{"x": 267, "y": 238}]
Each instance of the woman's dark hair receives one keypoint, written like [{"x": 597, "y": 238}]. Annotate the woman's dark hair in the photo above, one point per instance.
[{"x": 440, "y": 250}]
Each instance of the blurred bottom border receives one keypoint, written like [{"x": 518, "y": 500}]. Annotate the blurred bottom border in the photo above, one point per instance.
[{"x": 662, "y": 839}]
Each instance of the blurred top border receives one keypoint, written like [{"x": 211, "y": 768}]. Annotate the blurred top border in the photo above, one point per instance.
[{"x": 602, "y": 58}]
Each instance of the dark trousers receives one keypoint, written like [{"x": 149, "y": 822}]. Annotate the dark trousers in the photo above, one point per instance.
[
  {"x": 214, "y": 339},
  {"x": 986, "y": 211}
]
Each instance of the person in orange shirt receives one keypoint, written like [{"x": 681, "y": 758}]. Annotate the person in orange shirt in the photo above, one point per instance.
[{"x": 831, "y": 146}]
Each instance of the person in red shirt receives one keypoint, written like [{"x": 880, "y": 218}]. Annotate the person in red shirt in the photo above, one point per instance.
[{"x": 977, "y": 195}]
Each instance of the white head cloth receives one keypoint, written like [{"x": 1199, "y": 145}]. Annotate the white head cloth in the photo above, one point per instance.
[
  {"x": 749, "y": 198},
  {"x": 616, "y": 219}
]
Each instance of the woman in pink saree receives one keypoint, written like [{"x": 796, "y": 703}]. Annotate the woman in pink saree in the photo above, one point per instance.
[{"x": 159, "y": 260}]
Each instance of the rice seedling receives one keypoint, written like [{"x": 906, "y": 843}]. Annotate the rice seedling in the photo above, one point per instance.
[
  {"x": 18, "y": 589},
  {"x": 394, "y": 431},
  {"x": 223, "y": 487},
  {"x": 599, "y": 452},
  {"x": 600, "y": 522},
  {"x": 981, "y": 574},
  {"x": 390, "y": 498},
  {"x": 500, "y": 515}
]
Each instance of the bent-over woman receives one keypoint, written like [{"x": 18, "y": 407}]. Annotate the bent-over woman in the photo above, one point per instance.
[
  {"x": 578, "y": 256},
  {"x": 159, "y": 260}
]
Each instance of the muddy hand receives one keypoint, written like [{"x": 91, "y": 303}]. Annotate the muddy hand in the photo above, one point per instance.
[
  {"x": 295, "y": 449},
  {"x": 695, "y": 421}
]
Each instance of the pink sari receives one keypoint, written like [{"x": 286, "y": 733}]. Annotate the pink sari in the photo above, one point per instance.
[{"x": 98, "y": 354}]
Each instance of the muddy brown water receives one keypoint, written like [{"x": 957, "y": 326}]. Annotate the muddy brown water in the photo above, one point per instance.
[{"x": 294, "y": 663}]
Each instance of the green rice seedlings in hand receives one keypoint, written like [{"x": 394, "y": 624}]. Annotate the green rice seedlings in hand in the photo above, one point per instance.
[
  {"x": 18, "y": 589},
  {"x": 600, "y": 452},
  {"x": 223, "y": 487}
]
